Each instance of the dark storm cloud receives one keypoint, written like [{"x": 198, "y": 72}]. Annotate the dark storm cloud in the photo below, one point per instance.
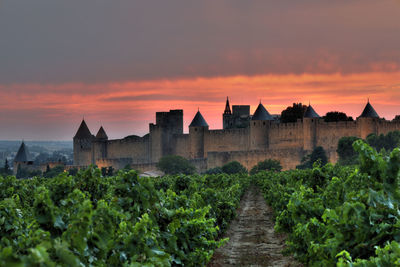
[{"x": 49, "y": 41}]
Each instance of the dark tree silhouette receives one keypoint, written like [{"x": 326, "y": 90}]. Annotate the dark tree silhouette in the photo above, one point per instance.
[
  {"x": 318, "y": 154},
  {"x": 175, "y": 164},
  {"x": 346, "y": 152},
  {"x": 333, "y": 116},
  {"x": 291, "y": 114},
  {"x": 268, "y": 164},
  {"x": 233, "y": 167}
]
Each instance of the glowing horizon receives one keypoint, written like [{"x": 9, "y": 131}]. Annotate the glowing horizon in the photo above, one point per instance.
[{"x": 126, "y": 108}]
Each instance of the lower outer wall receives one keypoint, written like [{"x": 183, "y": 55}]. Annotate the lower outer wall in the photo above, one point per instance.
[{"x": 289, "y": 159}]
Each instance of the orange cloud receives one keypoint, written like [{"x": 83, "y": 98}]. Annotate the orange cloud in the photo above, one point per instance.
[{"x": 127, "y": 107}]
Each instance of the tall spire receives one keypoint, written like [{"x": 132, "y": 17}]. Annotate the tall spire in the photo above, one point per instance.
[
  {"x": 83, "y": 131},
  {"x": 227, "y": 107},
  {"x": 22, "y": 154}
]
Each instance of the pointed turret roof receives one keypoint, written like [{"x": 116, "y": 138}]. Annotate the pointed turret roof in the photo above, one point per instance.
[
  {"x": 83, "y": 131},
  {"x": 22, "y": 154},
  {"x": 198, "y": 121},
  {"x": 227, "y": 107},
  {"x": 101, "y": 134},
  {"x": 310, "y": 113},
  {"x": 261, "y": 114},
  {"x": 369, "y": 112}
]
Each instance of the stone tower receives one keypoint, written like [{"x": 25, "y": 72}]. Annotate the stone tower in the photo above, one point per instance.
[
  {"x": 259, "y": 128},
  {"x": 368, "y": 121},
  {"x": 197, "y": 129},
  {"x": 22, "y": 159},
  {"x": 83, "y": 140},
  {"x": 100, "y": 145},
  {"x": 168, "y": 124},
  {"x": 238, "y": 117},
  {"x": 310, "y": 121}
]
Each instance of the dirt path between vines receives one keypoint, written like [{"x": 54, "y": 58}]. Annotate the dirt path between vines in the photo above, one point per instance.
[{"x": 252, "y": 240}]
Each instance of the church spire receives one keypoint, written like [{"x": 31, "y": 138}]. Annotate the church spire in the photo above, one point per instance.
[{"x": 227, "y": 107}]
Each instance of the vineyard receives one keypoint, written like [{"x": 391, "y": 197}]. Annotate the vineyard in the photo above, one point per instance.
[
  {"x": 344, "y": 216},
  {"x": 331, "y": 215},
  {"x": 125, "y": 220}
]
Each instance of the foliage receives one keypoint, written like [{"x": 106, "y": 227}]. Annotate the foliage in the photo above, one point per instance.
[
  {"x": 346, "y": 152},
  {"x": 334, "y": 116},
  {"x": 229, "y": 168},
  {"x": 107, "y": 171},
  {"x": 233, "y": 167},
  {"x": 175, "y": 164},
  {"x": 73, "y": 171},
  {"x": 317, "y": 155},
  {"x": 216, "y": 170},
  {"x": 53, "y": 172},
  {"x": 387, "y": 142},
  {"x": 6, "y": 169},
  {"x": 124, "y": 220},
  {"x": 291, "y": 114},
  {"x": 23, "y": 173},
  {"x": 341, "y": 215},
  {"x": 266, "y": 165},
  {"x": 347, "y": 155}
]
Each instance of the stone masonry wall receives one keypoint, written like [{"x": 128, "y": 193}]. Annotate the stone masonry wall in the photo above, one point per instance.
[
  {"x": 226, "y": 140},
  {"x": 286, "y": 135},
  {"x": 328, "y": 135},
  {"x": 136, "y": 148}
]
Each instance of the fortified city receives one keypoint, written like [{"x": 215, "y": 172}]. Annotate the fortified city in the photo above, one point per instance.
[
  {"x": 207, "y": 133},
  {"x": 245, "y": 138}
]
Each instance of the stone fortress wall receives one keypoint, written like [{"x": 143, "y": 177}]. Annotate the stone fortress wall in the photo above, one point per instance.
[{"x": 263, "y": 138}]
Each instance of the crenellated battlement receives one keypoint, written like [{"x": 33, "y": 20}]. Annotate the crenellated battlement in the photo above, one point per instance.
[{"x": 261, "y": 136}]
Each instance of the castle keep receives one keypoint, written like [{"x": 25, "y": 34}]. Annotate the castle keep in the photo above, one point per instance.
[{"x": 245, "y": 138}]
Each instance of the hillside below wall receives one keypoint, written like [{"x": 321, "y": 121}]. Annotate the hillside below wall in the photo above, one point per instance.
[
  {"x": 289, "y": 158},
  {"x": 200, "y": 164}
]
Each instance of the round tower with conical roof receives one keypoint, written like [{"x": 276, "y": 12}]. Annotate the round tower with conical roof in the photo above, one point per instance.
[
  {"x": 100, "y": 144},
  {"x": 83, "y": 141},
  {"x": 310, "y": 124},
  {"x": 197, "y": 129},
  {"x": 260, "y": 124},
  {"x": 367, "y": 122},
  {"x": 22, "y": 159}
]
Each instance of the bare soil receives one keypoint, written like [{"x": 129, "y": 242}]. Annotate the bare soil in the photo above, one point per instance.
[{"x": 252, "y": 240}]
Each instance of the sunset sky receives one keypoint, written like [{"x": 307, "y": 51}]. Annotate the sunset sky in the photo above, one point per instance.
[{"x": 116, "y": 63}]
